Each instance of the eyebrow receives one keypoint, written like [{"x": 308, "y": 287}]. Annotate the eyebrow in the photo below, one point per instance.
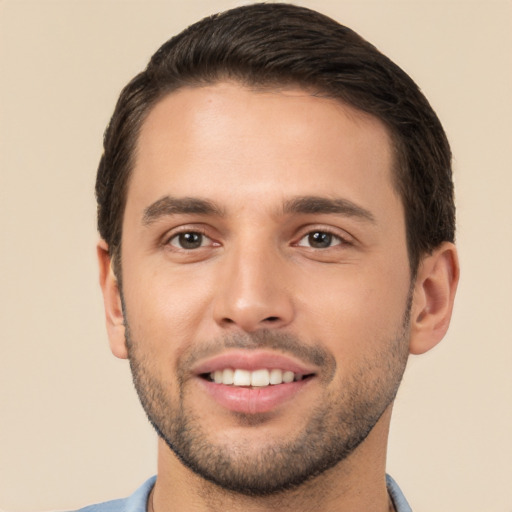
[
  {"x": 318, "y": 204},
  {"x": 168, "y": 205}
]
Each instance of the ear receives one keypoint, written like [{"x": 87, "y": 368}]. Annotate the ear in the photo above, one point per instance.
[
  {"x": 434, "y": 293},
  {"x": 112, "y": 302}
]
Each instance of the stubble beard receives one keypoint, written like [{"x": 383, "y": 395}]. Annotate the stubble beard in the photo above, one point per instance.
[{"x": 335, "y": 428}]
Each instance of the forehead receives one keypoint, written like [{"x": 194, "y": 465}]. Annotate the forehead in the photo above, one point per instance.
[{"x": 229, "y": 138}]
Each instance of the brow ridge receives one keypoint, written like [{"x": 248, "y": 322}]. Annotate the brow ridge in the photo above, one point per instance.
[
  {"x": 169, "y": 205},
  {"x": 327, "y": 205}
]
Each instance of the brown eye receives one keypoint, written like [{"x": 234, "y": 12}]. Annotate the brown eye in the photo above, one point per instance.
[
  {"x": 320, "y": 240},
  {"x": 188, "y": 240}
]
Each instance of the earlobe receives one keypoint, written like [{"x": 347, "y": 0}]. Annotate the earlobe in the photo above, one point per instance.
[
  {"x": 112, "y": 302},
  {"x": 434, "y": 293}
]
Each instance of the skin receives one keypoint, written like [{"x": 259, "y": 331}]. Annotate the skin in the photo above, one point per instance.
[{"x": 251, "y": 153}]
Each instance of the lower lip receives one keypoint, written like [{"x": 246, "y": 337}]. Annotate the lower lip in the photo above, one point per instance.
[{"x": 253, "y": 400}]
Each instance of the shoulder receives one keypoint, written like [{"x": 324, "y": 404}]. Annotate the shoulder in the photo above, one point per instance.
[{"x": 135, "y": 503}]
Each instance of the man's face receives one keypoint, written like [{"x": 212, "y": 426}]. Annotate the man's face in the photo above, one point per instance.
[{"x": 263, "y": 240}]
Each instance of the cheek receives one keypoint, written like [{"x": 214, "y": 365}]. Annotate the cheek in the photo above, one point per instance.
[
  {"x": 166, "y": 308},
  {"x": 350, "y": 308}
]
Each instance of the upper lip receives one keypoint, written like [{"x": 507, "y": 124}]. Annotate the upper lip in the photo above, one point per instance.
[{"x": 252, "y": 360}]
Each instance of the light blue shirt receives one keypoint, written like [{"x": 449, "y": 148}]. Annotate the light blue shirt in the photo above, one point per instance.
[
  {"x": 137, "y": 502},
  {"x": 397, "y": 496}
]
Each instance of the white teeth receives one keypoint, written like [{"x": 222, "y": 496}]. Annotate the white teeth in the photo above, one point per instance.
[
  {"x": 276, "y": 376},
  {"x": 242, "y": 378},
  {"x": 288, "y": 377},
  {"x": 256, "y": 378},
  {"x": 227, "y": 376},
  {"x": 260, "y": 378}
]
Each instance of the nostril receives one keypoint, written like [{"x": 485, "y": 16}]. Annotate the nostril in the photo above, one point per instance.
[{"x": 251, "y": 323}]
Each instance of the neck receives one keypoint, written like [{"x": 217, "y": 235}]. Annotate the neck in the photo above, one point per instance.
[{"x": 357, "y": 483}]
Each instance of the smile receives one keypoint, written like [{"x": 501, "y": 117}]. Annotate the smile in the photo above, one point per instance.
[
  {"x": 252, "y": 382},
  {"x": 257, "y": 378}
]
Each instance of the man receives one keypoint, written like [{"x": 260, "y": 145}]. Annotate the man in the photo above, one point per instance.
[{"x": 276, "y": 210}]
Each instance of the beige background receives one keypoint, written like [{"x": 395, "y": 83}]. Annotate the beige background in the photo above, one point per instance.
[{"x": 71, "y": 429}]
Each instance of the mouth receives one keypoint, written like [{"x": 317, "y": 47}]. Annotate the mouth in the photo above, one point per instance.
[{"x": 253, "y": 382}]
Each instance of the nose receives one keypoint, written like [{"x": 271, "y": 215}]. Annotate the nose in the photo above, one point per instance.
[{"x": 252, "y": 292}]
